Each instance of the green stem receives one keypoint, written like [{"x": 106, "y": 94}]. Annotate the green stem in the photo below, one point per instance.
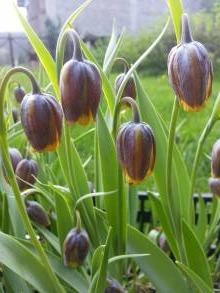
[
  {"x": 174, "y": 217},
  {"x": 88, "y": 220},
  {"x": 124, "y": 62},
  {"x": 198, "y": 154},
  {"x": 11, "y": 176},
  {"x": 77, "y": 53},
  {"x": 171, "y": 139}
]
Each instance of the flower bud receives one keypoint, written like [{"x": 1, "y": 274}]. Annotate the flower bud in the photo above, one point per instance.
[
  {"x": 19, "y": 93},
  {"x": 76, "y": 247},
  {"x": 37, "y": 213},
  {"x": 15, "y": 115},
  {"x": 190, "y": 71},
  {"x": 15, "y": 157},
  {"x": 136, "y": 150},
  {"x": 214, "y": 184},
  {"x": 129, "y": 89},
  {"x": 113, "y": 287},
  {"x": 80, "y": 87},
  {"x": 41, "y": 118},
  {"x": 154, "y": 234},
  {"x": 163, "y": 243},
  {"x": 25, "y": 172},
  {"x": 215, "y": 162}
]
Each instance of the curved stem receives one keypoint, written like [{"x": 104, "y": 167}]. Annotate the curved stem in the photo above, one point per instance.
[
  {"x": 124, "y": 62},
  {"x": 135, "y": 110},
  {"x": 171, "y": 138},
  {"x": 78, "y": 221},
  {"x": 175, "y": 219},
  {"x": 201, "y": 142},
  {"x": 11, "y": 176},
  {"x": 77, "y": 53},
  {"x": 136, "y": 115}
]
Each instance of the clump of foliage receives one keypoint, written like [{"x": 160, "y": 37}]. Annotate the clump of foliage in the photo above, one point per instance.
[{"x": 62, "y": 233}]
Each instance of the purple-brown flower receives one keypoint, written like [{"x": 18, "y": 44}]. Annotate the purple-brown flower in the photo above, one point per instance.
[
  {"x": 129, "y": 89},
  {"x": 80, "y": 87},
  {"x": 25, "y": 172},
  {"x": 136, "y": 150},
  {"x": 113, "y": 286},
  {"x": 41, "y": 117},
  {"x": 190, "y": 71},
  {"x": 214, "y": 185},
  {"x": 37, "y": 213},
  {"x": 19, "y": 93},
  {"x": 76, "y": 247},
  {"x": 15, "y": 157},
  {"x": 215, "y": 162}
]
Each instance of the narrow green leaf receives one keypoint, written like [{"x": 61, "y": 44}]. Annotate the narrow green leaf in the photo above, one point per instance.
[
  {"x": 83, "y": 135},
  {"x": 109, "y": 167},
  {"x": 102, "y": 275},
  {"x": 126, "y": 256},
  {"x": 16, "y": 222},
  {"x": 94, "y": 194},
  {"x": 114, "y": 48},
  {"x": 165, "y": 223},
  {"x": 51, "y": 238},
  {"x": 158, "y": 267},
  {"x": 176, "y": 11},
  {"x": 111, "y": 44},
  {"x": 41, "y": 51},
  {"x": 96, "y": 259},
  {"x": 199, "y": 284},
  {"x": 71, "y": 276},
  {"x": 201, "y": 227},
  {"x": 24, "y": 263},
  {"x": 14, "y": 282},
  {"x": 195, "y": 254},
  {"x": 64, "y": 217}
]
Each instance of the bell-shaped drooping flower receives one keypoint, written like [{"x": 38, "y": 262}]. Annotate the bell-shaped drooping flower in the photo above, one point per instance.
[
  {"x": 19, "y": 93},
  {"x": 80, "y": 87},
  {"x": 41, "y": 118},
  {"x": 76, "y": 247},
  {"x": 113, "y": 286},
  {"x": 130, "y": 87},
  {"x": 15, "y": 157},
  {"x": 214, "y": 181},
  {"x": 37, "y": 213},
  {"x": 136, "y": 148},
  {"x": 190, "y": 71},
  {"x": 25, "y": 172},
  {"x": 214, "y": 185},
  {"x": 215, "y": 161}
]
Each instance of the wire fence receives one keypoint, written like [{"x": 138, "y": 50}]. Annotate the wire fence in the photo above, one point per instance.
[{"x": 16, "y": 49}]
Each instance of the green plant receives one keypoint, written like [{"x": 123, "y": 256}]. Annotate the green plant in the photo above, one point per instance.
[{"x": 117, "y": 250}]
